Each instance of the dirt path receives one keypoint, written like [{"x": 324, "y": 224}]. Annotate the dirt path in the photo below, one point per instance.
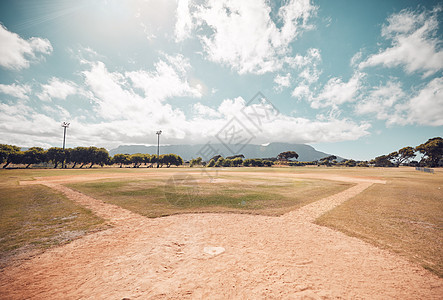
[{"x": 253, "y": 257}]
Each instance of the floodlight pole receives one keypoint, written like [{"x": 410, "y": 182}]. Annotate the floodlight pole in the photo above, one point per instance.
[
  {"x": 65, "y": 125},
  {"x": 158, "y": 147}
]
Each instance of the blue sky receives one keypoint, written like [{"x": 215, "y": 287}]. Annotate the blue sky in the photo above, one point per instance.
[{"x": 353, "y": 78}]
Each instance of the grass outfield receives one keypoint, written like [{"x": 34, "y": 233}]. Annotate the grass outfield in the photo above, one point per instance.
[
  {"x": 195, "y": 192},
  {"x": 34, "y": 218},
  {"x": 404, "y": 216}
]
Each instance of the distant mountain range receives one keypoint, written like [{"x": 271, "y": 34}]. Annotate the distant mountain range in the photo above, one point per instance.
[{"x": 187, "y": 152}]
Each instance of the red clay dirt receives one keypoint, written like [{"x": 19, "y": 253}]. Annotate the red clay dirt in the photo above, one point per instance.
[{"x": 254, "y": 257}]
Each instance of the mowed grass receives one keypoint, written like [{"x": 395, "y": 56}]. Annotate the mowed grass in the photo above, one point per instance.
[
  {"x": 197, "y": 193},
  {"x": 34, "y": 218},
  {"x": 404, "y": 216}
]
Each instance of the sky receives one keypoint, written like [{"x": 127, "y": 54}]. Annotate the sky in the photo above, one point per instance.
[{"x": 356, "y": 79}]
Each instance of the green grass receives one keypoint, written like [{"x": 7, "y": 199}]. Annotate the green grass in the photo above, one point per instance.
[
  {"x": 34, "y": 218},
  {"x": 193, "y": 192}
]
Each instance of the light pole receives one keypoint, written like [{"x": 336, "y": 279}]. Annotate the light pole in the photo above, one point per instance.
[
  {"x": 65, "y": 125},
  {"x": 158, "y": 147}
]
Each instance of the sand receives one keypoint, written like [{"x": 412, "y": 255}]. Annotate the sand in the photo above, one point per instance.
[{"x": 217, "y": 256}]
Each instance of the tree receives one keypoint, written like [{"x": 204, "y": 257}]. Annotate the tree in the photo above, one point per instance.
[
  {"x": 247, "y": 162},
  {"x": 350, "y": 163},
  {"x": 137, "y": 159},
  {"x": 219, "y": 162},
  {"x": 55, "y": 155},
  {"x": 79, "y": 155},
  {"x": 363, "y": 164},
  {"x": 216, "y": 157},
  {"x": 432, "y": 152},
  {"x": 195, "y": 161},
  {"x": 34, "y": 155},
  {"x": 5, "y": 152},
  {"x": 327, "y": 160},
  {"x": 98, "y": 156},
  {"x": 171, "y": 159},
  {"x": 16, "y": 158},
  {"x": 228, "y": 163},
  {"x": 68, "y": 158},
  {"x": 238, "y": 161},
  {"x": 235, "y": 156},
  {"x": 178, "y": 160},
  {"x": 211, "y": 163},
  {"x": 382, "y": 161},
  {"x": 121, "y": 159},
  {"x": 147, "y": 158},
  {"x": 267, "y": 163},
  {"x": 402, "y": 156},
  {"x": 287, "y": 155}
]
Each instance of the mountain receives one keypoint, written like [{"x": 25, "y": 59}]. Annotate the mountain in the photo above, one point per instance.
[{"x": 187, "y": 152}]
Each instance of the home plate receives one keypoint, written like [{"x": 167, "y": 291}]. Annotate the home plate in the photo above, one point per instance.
[{"x": 214, "y": 250}]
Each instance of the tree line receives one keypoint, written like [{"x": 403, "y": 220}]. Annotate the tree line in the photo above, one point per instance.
[
  {"x": 431, "y": 151},
  {"x": 80, "y": 156},
  {"x": 431, "y": 156}
]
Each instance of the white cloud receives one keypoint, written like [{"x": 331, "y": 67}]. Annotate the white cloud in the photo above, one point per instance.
[
  {"x": 17, "y": 53},
  {"x": 391, "y": 103},
  {"x": 309, "y": 72},
  {"x": 205, "y": 111},
  {"x": 312, "y": 57},
  {"x": 382, "y": 101},
  {"x": 301, "y": 91},
  {"x": 241, "y": 34},
  {"x": 282, "y": 81},
  {"x": 415, "y": 43},
  {"x": 21, "y": 125},
  {"x": 168, "y": 80},
  {"x": 183, "y": 26},
  {"x": 336, "y": 92},
  {"x": 57, "y": 89},
  {"x": 113, "y": 100},
  {"x": 16, "y": 90},
  {"x": 426, "y": 108},
  {"x": 356, "y": 58}
]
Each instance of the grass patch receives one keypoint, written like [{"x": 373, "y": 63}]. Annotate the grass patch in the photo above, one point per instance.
[
  {"x": 34, "y": 218},
  {"x": 194, "y": 193},
  {"x": 404, "y": 216}
]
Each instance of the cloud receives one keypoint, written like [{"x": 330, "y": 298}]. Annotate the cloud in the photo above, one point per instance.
[
  {"x": 228, "y": 29},
  {"x": 57, "y": 89},
  {"x": 309, "y": 72},
  {"x": 281, "y": 127},
  {"x": 282, "y": 81},
  {"x": 389, "y": 102},
  {"x": 382, "y": 101},
  {"x": 356, "y": 58},
  {"x": 415, "y": 43},
  {"x": 426, "y": 108},
  {"x": 16, "y": 90},
  {"x": 183, "y": 26},
  {"x": 17, "y": 53},
  {"x": 205, "y": 111},
  {"x": 336, "y": 92},
  {"x": 301, "y": 91},
  {"x": 168, "y": 80}
]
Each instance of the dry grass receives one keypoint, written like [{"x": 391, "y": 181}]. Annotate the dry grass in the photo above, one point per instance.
[
  {"x": 194, "y": 192},
  {"x": 34, "y": 218},
  {"x": 404, "y": 216}
]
